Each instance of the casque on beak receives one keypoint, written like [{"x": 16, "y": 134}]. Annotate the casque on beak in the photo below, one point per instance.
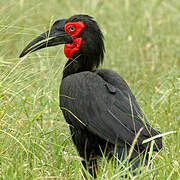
[{"x": 55, "y": 36}]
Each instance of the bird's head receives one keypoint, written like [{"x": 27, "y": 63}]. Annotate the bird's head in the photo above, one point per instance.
[{"x": 80, "y": 34}]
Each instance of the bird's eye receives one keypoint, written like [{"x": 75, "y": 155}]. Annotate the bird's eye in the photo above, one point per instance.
[{"x": 71, "y": 28}]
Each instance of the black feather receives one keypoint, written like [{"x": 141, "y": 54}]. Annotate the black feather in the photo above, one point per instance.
[{"x": 98, "y": 104}]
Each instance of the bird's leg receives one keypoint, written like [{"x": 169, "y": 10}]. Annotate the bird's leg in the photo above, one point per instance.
[{"x": 91, "y": 166}]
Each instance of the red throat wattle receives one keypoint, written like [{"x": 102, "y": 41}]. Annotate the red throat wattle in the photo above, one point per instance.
[
  {"x": 73, "y": 29},
  {"x": 70, "y": 48}
]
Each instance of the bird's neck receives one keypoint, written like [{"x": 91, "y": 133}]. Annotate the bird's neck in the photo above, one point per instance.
[{"x": 77, "y": 64}]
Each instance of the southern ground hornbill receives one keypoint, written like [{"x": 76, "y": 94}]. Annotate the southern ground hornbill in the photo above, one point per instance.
[{"x": 102, "y": 113}]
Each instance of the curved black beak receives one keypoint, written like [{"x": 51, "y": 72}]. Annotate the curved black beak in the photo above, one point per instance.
[{"x": 55, "y": 36}]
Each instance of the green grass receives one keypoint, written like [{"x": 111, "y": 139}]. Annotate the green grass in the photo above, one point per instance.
[{"x": 142, "y": 41}]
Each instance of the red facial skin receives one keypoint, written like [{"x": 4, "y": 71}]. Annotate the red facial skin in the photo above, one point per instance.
[{"x": 73, "y": 29}]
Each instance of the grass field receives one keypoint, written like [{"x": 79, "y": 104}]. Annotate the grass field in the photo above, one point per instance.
[{"x": 142, "y": 41}]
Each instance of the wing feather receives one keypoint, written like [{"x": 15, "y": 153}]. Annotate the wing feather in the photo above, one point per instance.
[{"x": 109, "y": 111}]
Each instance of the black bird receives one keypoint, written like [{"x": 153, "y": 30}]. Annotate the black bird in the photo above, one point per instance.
[{"x": 102, "y": 113}]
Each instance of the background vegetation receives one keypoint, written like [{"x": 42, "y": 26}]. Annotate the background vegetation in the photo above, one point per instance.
[{"x": 142, "y": 41}]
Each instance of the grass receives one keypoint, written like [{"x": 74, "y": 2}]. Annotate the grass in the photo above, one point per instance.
[{"x": 142, "y": 41}]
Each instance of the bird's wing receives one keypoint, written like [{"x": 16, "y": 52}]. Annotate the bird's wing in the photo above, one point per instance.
[{"x": 87, "y": 100}]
